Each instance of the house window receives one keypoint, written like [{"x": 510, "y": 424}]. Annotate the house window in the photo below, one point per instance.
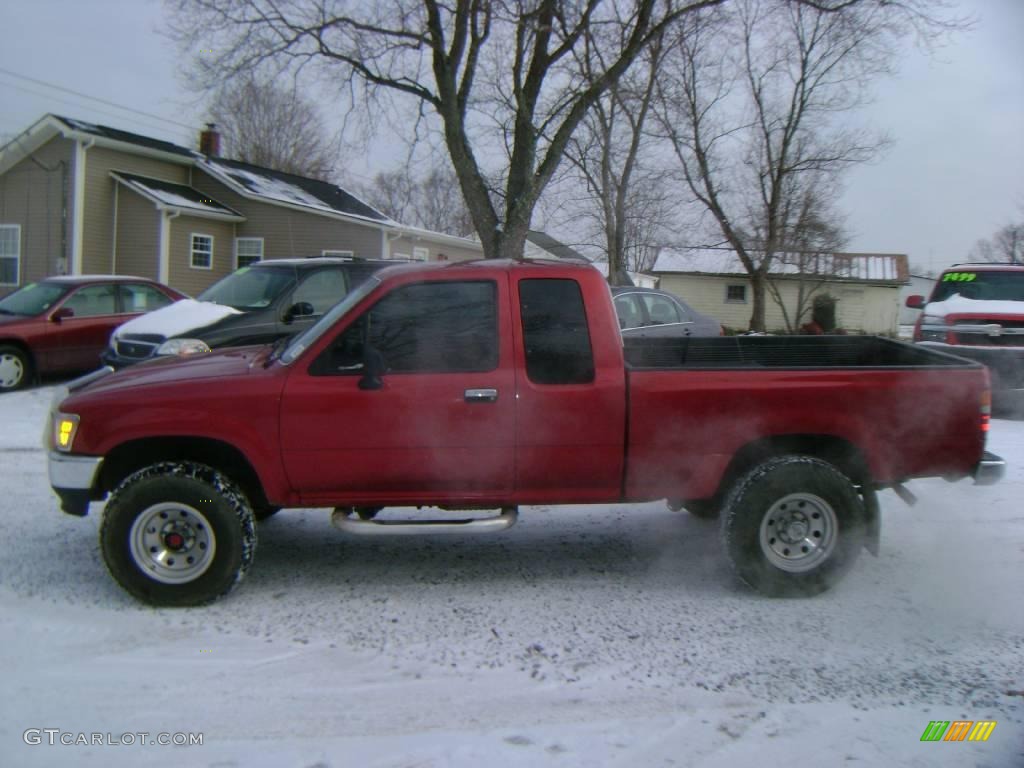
[
  {"x": 248, "y": 250},
  {"x": 342, "y": 254},
  {"x": 10, "y": 254},
  {"x": 420, "y": 254},
  {"x": 202, "y": 251},
  {"x": 736, "y": 294}
]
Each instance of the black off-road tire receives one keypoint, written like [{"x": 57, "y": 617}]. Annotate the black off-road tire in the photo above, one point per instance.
[
  {"x": 793, "y": 526},
  {"x": 18, "y": 366},
  {"x": 213, "y": 516}
]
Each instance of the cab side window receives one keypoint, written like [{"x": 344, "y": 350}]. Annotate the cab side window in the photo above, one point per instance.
[
  {"x": 661, "y": 310},
  {"x": 322, "y": 289},
  {"x": 435, "y": 327},
  {"x": 630, "y": 315},
  {"x": 141, "y": 298},
  {"x": 92, "y": 301}
]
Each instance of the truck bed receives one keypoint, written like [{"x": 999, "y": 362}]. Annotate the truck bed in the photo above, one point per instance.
[
  {"x": 793, "y": 352},
  {"x": 694, "y": 403}
]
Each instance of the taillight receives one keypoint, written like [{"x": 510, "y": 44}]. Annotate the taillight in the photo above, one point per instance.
[{"x": 986, "y": 409}]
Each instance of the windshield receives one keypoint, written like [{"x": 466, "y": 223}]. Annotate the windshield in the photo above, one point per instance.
[
  {"x": 303, "y": 341},
  {"x": 981, "y": 286},
  {"x": 248, "y": 289},
  {"x": 32, "y": 299}
]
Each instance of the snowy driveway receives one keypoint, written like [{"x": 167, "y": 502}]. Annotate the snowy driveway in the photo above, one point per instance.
[{"x": 584, "y": 636}]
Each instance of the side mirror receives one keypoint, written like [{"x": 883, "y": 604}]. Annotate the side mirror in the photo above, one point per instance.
[
  {"x": 62, "y": 313},
  {"x": 915, "y": 302},
  {"x": 299, "y": 309}
]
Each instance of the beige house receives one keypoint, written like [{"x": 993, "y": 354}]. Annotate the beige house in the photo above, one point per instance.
[
  {"x": 866, "y": 286},
  {"x": 80, "y": 198}
]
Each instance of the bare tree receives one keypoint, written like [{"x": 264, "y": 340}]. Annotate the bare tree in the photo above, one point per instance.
[
  {"x": 627, "y": 198},
  {"x": 275, "y": 127},
  {"x": 1006, "y": 245},
  {"x": 433, "y": 201},
  {"x": 810, "y": 259},
  {"x": 482, "y": 68},
  {"x": 751, "y": 103}
]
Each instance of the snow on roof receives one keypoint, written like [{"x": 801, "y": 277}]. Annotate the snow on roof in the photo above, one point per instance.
[
  {"x": 280, "y": 187},
  {"x": 178, "y": 196},
  {"x": 861, "y": 267},
  {"x": 128, "y": 137}
]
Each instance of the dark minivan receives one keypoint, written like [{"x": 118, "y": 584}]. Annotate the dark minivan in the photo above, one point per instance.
[{"x": 255, "y": 304}]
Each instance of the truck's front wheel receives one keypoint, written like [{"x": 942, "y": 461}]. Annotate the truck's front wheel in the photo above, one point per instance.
[
  {"x": 793, "y": 526},
  {"x": 177, "y": 534}
]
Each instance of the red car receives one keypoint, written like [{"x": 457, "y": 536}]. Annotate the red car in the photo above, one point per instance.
[{"x": 62, "y": 324}]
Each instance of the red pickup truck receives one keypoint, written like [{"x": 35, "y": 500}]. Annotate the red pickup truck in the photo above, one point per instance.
[{"x": 494, "y": 384}]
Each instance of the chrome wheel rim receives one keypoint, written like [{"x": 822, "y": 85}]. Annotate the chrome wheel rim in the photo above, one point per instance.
[
  {"x": 172, "y": 543},
  {"x": 12, "y": 370},
  {"x": 799, "y": 532}
]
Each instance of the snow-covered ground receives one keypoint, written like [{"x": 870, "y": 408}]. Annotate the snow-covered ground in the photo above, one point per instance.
[{"x": 584, "y": 636}]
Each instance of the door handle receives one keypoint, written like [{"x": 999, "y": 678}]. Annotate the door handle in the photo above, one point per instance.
[{"x": 480, "y": 395}]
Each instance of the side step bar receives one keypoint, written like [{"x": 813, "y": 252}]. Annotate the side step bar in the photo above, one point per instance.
[{"x": 341, "y": 520}]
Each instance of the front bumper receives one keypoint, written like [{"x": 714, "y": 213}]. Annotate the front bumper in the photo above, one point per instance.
[
  {"x": 117, "y": 362},
  {"x": 72, "y": 479},
  {"x": 989, "y": 470}
]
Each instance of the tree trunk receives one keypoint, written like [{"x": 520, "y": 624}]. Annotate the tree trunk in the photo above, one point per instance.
[{"x": 757, "y": 290}]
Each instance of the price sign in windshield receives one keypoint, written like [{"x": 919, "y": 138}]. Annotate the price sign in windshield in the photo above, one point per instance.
[{"x": 959, "y": 277}]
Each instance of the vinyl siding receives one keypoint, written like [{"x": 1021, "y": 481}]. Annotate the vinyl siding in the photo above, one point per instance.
[
  {"x": 35, "y": 198},
  {"x": 405, "y": 244},
  {"x": 98, "y": 217},
  {"x": 862, "y": 307},
  {"x": 138, "y": 236},
  {"x": 289, "y": 233},
  {"x": 182, "y": 275}
]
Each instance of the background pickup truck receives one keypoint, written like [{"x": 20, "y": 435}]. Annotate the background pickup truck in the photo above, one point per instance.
[
  {"x": 977, "y": 311},
  {"x": 489, "y": 385}
]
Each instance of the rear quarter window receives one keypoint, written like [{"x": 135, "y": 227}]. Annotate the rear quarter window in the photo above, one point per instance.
[{"x": 555, "y": 332}]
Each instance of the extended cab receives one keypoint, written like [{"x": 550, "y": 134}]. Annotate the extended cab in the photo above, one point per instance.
[{"x": 494, "y": 384}]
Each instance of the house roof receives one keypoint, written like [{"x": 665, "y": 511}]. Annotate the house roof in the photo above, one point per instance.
[
  {"x": 127, "y": 137},
  {"x": 177, "y": 197},
  {"x": 887, "y": 268},
  {"x": 278, "y": 187},
  {"x": 250, "y": 181}
]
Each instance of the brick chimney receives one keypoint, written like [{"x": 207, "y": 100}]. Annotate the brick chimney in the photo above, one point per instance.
[{"x": 209, "y": 141}]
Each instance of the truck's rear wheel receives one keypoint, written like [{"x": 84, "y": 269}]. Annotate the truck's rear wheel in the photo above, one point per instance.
[
  {"x": 793, "y": 526},
  {"x": 177, "y": 534}
]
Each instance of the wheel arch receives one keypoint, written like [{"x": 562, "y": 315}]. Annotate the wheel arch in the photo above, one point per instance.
[
  {"x": 134, "y": 455},
  {"x": 838, "y": 451}
]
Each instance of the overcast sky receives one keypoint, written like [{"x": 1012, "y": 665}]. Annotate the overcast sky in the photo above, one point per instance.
[{"x": 954, "y": 174}]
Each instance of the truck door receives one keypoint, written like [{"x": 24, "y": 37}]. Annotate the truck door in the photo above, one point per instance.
[
  {"x": 440, "y": 422},
  {"x": 570, "y": 395}
]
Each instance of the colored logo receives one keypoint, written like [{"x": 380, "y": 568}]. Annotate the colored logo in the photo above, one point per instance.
[{"x": 958, "y": 730}]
